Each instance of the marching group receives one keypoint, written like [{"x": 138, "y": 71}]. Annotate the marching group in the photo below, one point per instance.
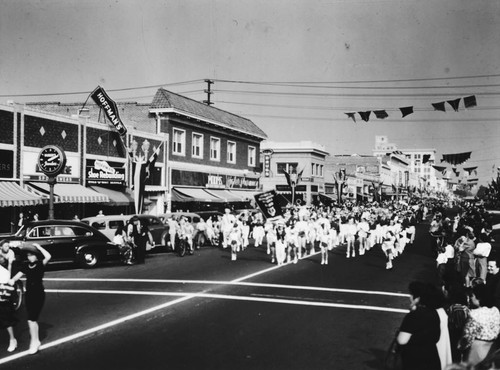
[{"x": 304, "y": 230}]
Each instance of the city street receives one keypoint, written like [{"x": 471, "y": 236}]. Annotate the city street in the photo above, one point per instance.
[{"x": 207, "y": 312}]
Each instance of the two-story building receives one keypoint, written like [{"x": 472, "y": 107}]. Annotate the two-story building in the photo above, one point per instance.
[
  {"x": 208, "y": 158},
  {"x": 303, "y": 157}
]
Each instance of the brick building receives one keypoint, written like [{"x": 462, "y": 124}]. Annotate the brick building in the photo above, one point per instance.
[{"x": 207, "y": 159}]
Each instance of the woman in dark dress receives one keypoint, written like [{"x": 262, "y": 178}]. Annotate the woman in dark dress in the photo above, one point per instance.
[
  {"x": 34, "y": 270},
  {"x": 420, "y": 331}
]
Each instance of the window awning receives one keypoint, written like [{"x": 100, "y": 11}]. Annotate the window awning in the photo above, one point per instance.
[
  {"x": 329, "y": 196},
  {"x": 245, "y": 195},
  {"x": 69, "y": 193},
  {"x": 193, "y": 195},
  {"x": 225, "y": 195},
  {"x": 13, "y": 195},
  {"x": 116, "y": 198}
]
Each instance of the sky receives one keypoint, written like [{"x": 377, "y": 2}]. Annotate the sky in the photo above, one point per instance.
[{"x": 294, "y": 67}]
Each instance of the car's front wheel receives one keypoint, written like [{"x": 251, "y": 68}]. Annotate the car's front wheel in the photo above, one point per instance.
[{"x": 89, "y": 259}]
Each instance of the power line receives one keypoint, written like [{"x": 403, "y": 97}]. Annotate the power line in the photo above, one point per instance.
[
  {"x": 112, "y": 90},
  {"x": 363, "y": 81},
  {"x": 326, "y": 95}
]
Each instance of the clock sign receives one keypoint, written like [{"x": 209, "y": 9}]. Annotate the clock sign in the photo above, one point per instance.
[{"x": 52, "y": 160}]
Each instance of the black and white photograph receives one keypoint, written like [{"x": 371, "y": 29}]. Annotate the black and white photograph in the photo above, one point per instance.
[{"x": 251, "y": 185}]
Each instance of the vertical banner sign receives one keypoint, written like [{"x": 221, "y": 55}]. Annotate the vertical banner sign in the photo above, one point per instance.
[
  {"x": 267, "y": 165},
  {"x": 109, "y": 106},
  {"x": 268, "y": 204}
]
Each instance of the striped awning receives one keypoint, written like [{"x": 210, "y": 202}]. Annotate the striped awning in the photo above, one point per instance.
[
  {"x": 69, "y": 193},
  {"x": 194, "y": 195},
  {"x": 226, "y": 195},
  {"x": 13, "y": 195}
]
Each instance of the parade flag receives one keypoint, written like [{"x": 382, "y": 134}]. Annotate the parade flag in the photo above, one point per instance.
[
  {"x": 380, "y": 114},
  {"x": 293, "y": 179},
  {"x": 470, "y": 101},
  {"x": 352, "y": 115},
  {"x": 406, "y": 111},
  {"x": 110, "y": 108},
  {"x": 365, "y": 116},
  {"x": 269, "y": 205},
  {"x": 141, "y": 170},
  {"x": 426, "y": 158},
  {"x": 439, "y": 106},
  {"x": 454, "y": 104}
]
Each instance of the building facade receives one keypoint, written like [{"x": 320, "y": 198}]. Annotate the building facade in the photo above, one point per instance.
[
  {"x": 207, "y": 157},
  {"x": 303, "y": 157}
]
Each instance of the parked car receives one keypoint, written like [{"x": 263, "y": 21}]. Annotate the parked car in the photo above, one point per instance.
[
  {"x": 67, "y": 241},
  {"x": 108, "y": 225}
]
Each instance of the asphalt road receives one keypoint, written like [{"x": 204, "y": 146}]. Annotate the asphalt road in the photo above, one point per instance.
[{"x": 208, "y": 312}]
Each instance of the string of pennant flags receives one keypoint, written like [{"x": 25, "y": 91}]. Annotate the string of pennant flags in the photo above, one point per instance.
[{"x": 469, "y": 102}]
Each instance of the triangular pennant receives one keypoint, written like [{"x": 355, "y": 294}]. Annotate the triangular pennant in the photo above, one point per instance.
[
  {"x": 439, "y": 168},
  {"x": 456, "y": 159},
  {"x": 470, "y": 101},
  {"x": 439, "y": 106},
  {"x": 380, "y": 114},
  {"x": 365, "y": 116},
  {"x": 469, "y": 170},
  {"x": 454, "y": 104},
  {"x": 351, "y": 115},
  {"x": 405, "y": 111}
]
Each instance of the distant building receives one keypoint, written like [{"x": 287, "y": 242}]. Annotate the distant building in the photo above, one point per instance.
[
  {"x": 421, "y": 172},
  {"x": 304, "y": 156}
]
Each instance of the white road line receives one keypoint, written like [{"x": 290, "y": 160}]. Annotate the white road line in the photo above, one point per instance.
[
  {"x": 230, "y": 297},
  {"x": 129, "y": 317},
  {"x": 235, "y": 283}
]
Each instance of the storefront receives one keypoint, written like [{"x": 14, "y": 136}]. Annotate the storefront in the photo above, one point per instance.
[{"x": 198, "y": 191}]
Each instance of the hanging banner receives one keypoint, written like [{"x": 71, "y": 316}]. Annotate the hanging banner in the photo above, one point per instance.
[
  {"x": 268, "y": 204},
  {"x": 110, "y": 108}
]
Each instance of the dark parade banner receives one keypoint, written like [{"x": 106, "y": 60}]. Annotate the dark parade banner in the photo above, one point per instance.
[{"x": 268, "y": 204}]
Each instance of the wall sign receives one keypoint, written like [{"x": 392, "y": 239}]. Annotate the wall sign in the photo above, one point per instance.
[{"x": 100, "y": 172}]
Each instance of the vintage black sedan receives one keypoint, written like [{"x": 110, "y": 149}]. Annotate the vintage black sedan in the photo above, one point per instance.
[{"x": 67, "y": 241}]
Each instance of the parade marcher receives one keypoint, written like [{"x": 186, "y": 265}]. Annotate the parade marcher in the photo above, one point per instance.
[
  {"x": 280, "y": 242},
  {"x": 228, "y": 219},
  {"x": 363, "y": 228},
  {"x": 324, "y": 241},
  {"x": 34, "y": 270},
  {"x": 235, "y": 239},
  {"x": 350, "y": 235},
  {"x": 301, "y": 232},
  {"x": 388, "y": 249},
  {"x": 270, "y": 232},
  {"x": 258, "y": 232},
  {"x": 245, "y": 232},
  {"x": 291, "y": 242}
]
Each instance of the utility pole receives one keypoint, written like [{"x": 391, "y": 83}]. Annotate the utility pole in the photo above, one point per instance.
[{"x": 209, "y": 92}]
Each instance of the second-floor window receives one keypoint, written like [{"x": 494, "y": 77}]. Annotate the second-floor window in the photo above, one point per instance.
[
  {"x": 215, "y": 149},
  {"x": 252, "y": 154},
  {"x": 197, "y": 146},
  {"x": 231, "y": 152},
  {"x": 288, "y": 167},
  {"x": 179, "y": 142}
]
